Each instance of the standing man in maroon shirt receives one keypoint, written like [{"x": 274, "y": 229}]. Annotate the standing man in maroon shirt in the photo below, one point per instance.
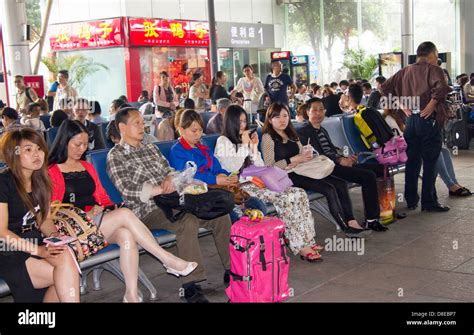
[{"x": 420, "y": 90}]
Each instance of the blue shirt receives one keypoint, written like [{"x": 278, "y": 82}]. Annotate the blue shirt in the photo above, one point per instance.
[
  {"x": 208, "y": 167},
  {"x": 277, "y": 87},
  {"x": 54, "y": 87}
]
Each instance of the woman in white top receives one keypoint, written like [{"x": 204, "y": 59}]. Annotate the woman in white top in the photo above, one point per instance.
[
  {"x": 233, "y": 149},
  {"x": 198, "y": 92},
  {"x": 251, "y": 87}
]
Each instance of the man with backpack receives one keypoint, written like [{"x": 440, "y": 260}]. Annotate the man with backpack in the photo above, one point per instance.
[
  {"x": 425, "y": 86},
  {"x": 374, "y": 130},
  {"x": 25, "y": 95}
]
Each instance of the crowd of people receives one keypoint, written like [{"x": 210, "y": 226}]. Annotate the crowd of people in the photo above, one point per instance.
[{"x": 35, "y": 175}]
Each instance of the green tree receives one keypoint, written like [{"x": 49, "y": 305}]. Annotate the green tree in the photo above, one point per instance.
[
  {"x": 340, "y": 21},
  {"x": 79, "y": 68},
  {"x": 359, "y": 65},
  {"x": 33, "y": 16}
]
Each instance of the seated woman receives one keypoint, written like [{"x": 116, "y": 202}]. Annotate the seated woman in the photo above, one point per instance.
[
  {"x": 444, "y": 164},
  {"x": 233, "y": 149},
  {"x": 10, "y": 119},
  {"x": 301, "y": 115},
  {"x": 57, "y": 117},
  {"x": 282, "y": 148},
  {"x": 75, "y": 181},
  {"x": 188, "y": 148},
  {"x": 33, "y": 271}
]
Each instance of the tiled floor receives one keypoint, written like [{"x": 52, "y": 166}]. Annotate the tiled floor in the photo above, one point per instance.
[{"x": 426, "y": 257}]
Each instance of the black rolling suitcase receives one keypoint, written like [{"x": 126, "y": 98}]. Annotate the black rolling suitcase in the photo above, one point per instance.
[{"x": 457, "y": 132}]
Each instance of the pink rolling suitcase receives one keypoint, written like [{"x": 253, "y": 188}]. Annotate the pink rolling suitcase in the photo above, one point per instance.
[{"x": 259, "y": 261}]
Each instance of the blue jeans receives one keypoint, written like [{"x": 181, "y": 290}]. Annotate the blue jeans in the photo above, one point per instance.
[
  {"x": 252, "y": 203},
  {"x": 445, "y": 168}
]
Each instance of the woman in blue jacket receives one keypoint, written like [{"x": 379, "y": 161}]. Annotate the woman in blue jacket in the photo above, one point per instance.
[{"x": 209, "y": 170}]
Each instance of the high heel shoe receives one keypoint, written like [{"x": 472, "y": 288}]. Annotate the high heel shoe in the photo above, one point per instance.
[
  {"x": 189, "y": 268},
  {"x": 140, "y": 298}
]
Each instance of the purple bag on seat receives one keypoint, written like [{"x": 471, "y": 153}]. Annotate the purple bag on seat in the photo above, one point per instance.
[{"x": 275, "y": 179}]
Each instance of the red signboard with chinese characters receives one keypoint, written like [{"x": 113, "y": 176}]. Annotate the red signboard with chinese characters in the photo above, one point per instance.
[
  {"x": 155, "y": 32},
  {"x": 36, "y": 83},
  {"x": 85, "y": 35}
]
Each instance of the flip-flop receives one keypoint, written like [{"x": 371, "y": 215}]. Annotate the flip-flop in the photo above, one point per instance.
[
  {"x": 461, "y": 192},
  {"x": 468, "y": 191}
]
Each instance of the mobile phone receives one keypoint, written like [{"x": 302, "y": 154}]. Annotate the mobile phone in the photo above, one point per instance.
[
  {"x": 60, "y": 240},
  {"x": 112, "y": 207},
  {"x": 251, "y": 131}
]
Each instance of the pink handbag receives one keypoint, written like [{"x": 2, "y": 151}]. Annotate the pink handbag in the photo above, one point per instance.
[
  {"x": 400, "y": 142},
  {"x": 402, "y": 157},
  {"x": 275, "y": 179},
  {"x": 259, "y": 263},
  {"x": 387, "y": 154},
  {"x": 393, "y": 152}
]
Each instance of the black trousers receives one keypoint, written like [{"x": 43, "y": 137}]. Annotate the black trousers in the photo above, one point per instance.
[
  {"x": 334, "y": 189},
  {"x": 366, "y": 176},
  {"x": 423, "y": 137}
]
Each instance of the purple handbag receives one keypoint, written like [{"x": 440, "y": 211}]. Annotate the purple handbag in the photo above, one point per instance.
[{"x": 275, "y": 179}]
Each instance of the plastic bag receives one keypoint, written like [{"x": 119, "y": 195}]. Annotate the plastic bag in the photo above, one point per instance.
[{"x": 184, "y": 181}]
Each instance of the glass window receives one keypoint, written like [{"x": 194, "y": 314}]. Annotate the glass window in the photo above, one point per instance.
[
  {"x": 379, "y": 24},
  {"x": 226, "y": 64},
  {"x": 103, "y": 85},
  {"x": 179, "y": 62},
  {"x": 435, "y": 21}
]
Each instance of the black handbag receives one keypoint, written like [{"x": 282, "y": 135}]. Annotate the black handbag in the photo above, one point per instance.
[{"x": 207, "y": 206}]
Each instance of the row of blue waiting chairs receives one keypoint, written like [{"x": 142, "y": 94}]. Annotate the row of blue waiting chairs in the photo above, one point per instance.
[{"x": 342, "y": 130}]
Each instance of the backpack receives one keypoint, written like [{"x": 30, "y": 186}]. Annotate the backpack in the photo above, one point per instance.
[
  {"x": 259, "y": 263},
  {"x": 28, "y": 95},
  {"x": 372, "y": 126},
  {"x": 207, "y": 206}
]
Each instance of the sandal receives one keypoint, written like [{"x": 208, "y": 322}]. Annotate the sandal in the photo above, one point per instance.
[
  {"x": 468, "y": 191},
  {"x": 318, "y": 248},
  {"x": 312, "y": 258},
  {"x": 461, "y": 192}
]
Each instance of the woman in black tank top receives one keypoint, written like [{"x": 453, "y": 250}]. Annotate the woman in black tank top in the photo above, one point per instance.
[{"x": 281, "y": 147}]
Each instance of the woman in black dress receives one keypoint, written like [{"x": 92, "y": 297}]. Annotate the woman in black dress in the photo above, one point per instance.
[{"x": 34, "y": 272}]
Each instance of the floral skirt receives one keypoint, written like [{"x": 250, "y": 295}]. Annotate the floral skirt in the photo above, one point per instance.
[{"x": 292, "y": 206}]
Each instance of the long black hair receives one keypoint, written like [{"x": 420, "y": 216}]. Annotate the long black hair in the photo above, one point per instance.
[
  {"x": 232, "y": 123},
  {"x": 67, "y": 130},
  {"x": 275, "y": 110},
  {"x": 218, "y": 76}
]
